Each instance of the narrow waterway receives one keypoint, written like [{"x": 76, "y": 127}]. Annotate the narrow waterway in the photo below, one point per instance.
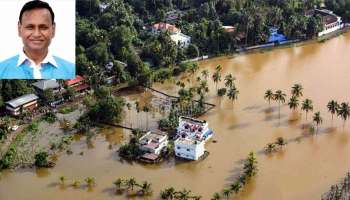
[{"x": 303, "y": 170}]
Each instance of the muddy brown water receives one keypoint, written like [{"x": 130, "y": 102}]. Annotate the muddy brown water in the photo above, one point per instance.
[{"x": 303, "y": 170}]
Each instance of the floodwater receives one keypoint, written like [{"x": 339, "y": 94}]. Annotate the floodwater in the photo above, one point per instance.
[{"x": 306, "y": 167}]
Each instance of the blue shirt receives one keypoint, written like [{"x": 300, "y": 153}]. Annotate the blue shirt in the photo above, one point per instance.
[{"x": 9, "y": 69}]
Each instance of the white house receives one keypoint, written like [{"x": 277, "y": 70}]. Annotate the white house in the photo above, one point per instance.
[
  {"x": 153, "y": 142},
  {"x": 330, "y": 21},
  {"x": 191, "y": 137},
  {"x": 189, "y": 148},
  {"x": 181, "y": 39}
]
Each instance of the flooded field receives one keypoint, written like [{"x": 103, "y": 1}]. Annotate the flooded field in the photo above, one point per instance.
[{"x": 303, "y": 170}]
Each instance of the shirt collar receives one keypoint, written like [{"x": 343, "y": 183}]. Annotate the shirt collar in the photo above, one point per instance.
[{"x": 48, "y": 59}]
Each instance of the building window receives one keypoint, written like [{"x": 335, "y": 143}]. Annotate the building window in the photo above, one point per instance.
[
  {"x": 188, "y": 149},
  {"x": 178, "y": 147}
]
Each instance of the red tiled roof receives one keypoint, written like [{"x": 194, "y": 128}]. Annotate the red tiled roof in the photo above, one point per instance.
[
  {"x": 165, "y": 26},
  {"x": 150, "y": 156},
  {"x": 81, "y": 87},
  {"x": 74, "y": 81}
]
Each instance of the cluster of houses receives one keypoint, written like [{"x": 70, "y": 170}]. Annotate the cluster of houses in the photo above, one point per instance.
[
  {"x": 330, "y": 23},
  {"x": 29, "y": 102},
  {"x": 189, "y": 143}
]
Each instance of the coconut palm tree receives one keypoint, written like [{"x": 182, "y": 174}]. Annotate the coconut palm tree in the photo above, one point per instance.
[
  {"x": 233, "y": 93},
  {"x": 218, "y": 68},
  {"x": 317, "y": 119},
  {"x": 76, "y": 183},
  {"x": 229, "y": 80},
  {"x": 281, "y": 98},
  {"x": 280, "y": 141},
  {"x": 198, "y": 79},
  {"x": 333, "y": 107},
  {"x": 118, "y": 183},
  {"x": 131, "y": 183},
  {"x": 168, "y": 193},
  {"x": 235, "y": 187},
  {"x": 344, "y": 112},
  {"x": 184, "y": 194},
  {"x": 297, "y": 90},
  {"x": 146, "y": 109},
  {"x": 270, "y": 147},
  {"x": 269, "y": 96},
  {"x": 221, "y": 93},
  {"x": 146, "y": 188},
  {"x": 293, "y": 102},
  {"x": 203, "y": 86},
  {"x": 90, "y": 181},
  {"x": 226, "y": 192},
  {"x": 128, "y": 105},
  {"x": 216, "y": 78},
  {"x": 216, "y": 196},
  {"x": 193, "y": 69},
  {"x": 137, "y": 107},
  {"x": 205, "y": 74},
  {"x": 62, "y": 180},
  {"x": 307, "y": 106}
]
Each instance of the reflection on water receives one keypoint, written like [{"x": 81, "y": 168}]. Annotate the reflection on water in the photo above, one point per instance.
[
  {"x": 303, "y": 169},
  {"x": 42, "y": 172}
]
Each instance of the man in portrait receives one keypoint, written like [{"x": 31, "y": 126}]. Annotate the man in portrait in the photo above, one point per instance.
[{"x": 36, "y": 27}]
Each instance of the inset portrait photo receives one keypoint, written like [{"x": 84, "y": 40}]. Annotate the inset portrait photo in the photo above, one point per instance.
[{"x": 37, "y": 39}]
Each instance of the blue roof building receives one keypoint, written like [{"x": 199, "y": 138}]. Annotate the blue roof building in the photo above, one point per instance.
[{"x": 275, "y": 36}]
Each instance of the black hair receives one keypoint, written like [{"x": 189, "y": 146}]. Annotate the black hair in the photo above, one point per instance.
[{"x": 36, "y": 4}]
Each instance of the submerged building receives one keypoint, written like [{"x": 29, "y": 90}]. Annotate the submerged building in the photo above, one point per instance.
[{"x": 191, "y": 137}]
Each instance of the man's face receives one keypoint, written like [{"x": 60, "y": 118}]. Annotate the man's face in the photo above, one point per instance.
[{"x": 36, "y": 29}]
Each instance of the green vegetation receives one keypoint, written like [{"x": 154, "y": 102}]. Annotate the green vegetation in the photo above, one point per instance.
[
  {"x": 277, "y": 145},
  {"x": 171, "y": 193},
  {"x": 250, "y": 169},
  {"x": 49, "y": 117},
  {"x": 131, "y": 150},
  {"x": 117, "y": 33},
  {"x": 9, "y": 156},
  {"x": 144, "y": 188},
  {"x": 341, "y": 7},
  {"x": 41, "y": 159},
  {"x": 66, "y": 110}
]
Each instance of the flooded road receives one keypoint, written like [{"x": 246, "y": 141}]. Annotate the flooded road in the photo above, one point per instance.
[{"x": 305, "y": 168}]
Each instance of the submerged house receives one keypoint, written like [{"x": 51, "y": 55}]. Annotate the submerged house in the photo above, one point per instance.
[
  {"x": 25, "y": 102},
  {"x": 191, "y": 137},
  {"x": 152, "y": 144},
  {"x": 330, "y": 21}
]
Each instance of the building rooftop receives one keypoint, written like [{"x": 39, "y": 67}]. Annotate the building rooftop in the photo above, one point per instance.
[
  {"x": 188, "y": 141},
  {"x": 152, "y": 137},
  {"x": 165, "y": 26},
  {"x": 327, "y": 16},
  {"x": 46, "y": 84},
  {"x": 19, "y": 101},
  {"x": 150, "y": 156},
  {"x": 77, "y": 79}
]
